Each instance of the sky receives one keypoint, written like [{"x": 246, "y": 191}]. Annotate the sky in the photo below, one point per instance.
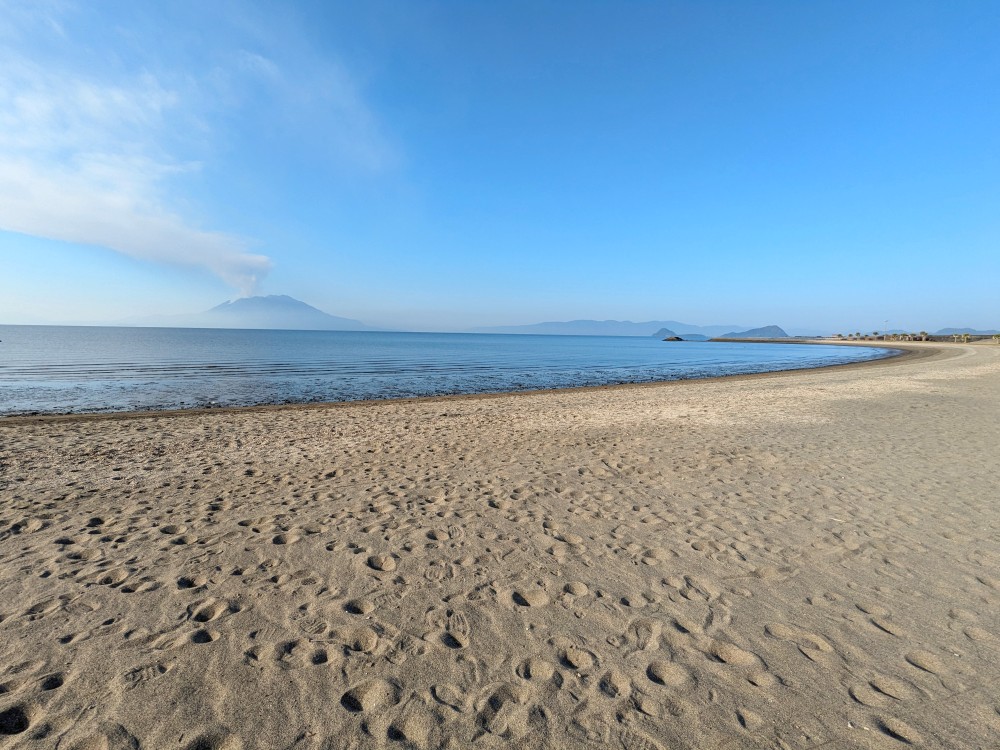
[{"x": 821, "y": 165}]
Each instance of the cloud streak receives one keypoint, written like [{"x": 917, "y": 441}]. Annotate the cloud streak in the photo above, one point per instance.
[
  {"x": 85, "y": 161},
  {"x": 104, "y": 209},
  {"x": 111, "y": 125}
]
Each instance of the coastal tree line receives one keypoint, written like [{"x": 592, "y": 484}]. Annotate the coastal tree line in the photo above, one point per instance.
[{"x": 963, "y": 338}]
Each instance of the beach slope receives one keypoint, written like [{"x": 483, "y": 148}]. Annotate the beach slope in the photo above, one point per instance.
[{"x": 799, "y": 560}]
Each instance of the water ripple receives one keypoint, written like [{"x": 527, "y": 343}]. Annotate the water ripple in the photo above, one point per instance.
[{"x": 52, "y": 369}]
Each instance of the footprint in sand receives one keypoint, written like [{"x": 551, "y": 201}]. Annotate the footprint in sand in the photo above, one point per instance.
[
  {"x": 144, "y": 674},
  {"x": 576, "y": 588},
  {"x": 112, "y": 577},
  {"x": 360, "y": 639},
  {"x": 192, "y": 582},
  {"x": 615, "y": 684},
  {"x": 141, "y": 586},
  {"x": 450, "y": 696},
  {"x": 668, "y": 674},
  {"x": 694, "y": 588},
  {"x": 204, "y": 636},
  {"x": 926, "y": 661},
  {"x": 536, "y": 669},
  {"x": 111, "y": 737},
  {"x": 217, "y": 740},
  {"x": 899, "y": 730},
  {"x": 762, "y": 679},
  {"x": 649, "y": 705},
  {"x": 748, "y": 719},
  {"x": 371, "y": 696},
  {"x": 87, "y": 554},
  {"x": 319, "y": 657},
  {"x": 313, "y": 626},
  {"x": 633, "y": 740},
  {"x": 361, "y": 606},
  {"x": 414, "y": 728},
  {"x": 888, "y": 626},
  {"x": 382, "y": 563},
  {"x": 810, "y": 645},
  {"x": 18, "y": 718},
  {"x": 643, "y": 634},
  {"x": 210, "y": 609},
  {"x": 781, "y": 632},
  {"x": 578, "y": 659},
  {"x": 295, "y": 654},
  {"x": 506, "y": 712},
  {"x": 974, "y": 633},
  {"x": 29, "y": 525},
  {"x": 530, "y": 597},
  {"x": 657, "y": 555},
  {"x": 52, "y": 681},
  {"x": 437, "y": 571},
  {"x": 816, "y": 650},
  {"x": 688, "y": 626},
  {"x": 893, "y": 688},
  {"x": 406, "y": 647},
  {"x": 457, "y": 630},
  {"x": 875, "y": 610},
  {"x": 728, "y": 653},
  {"x": 446, "y": 534},
  {"x": 867, "y": 696},
  {"x": 42, "y": 608}
]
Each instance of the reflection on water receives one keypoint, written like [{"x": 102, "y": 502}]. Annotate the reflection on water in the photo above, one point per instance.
[{"x": 60, "y": 369}]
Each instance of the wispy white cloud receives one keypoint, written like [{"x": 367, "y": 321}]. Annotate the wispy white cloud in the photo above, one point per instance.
[
  {"x": 99, "y": 153},
  {"x": 312, "y": 95},
  {"x": 104, "y": 204},
  {"x": 85, "y": 161},
  {"x": 258, "y": 65}
]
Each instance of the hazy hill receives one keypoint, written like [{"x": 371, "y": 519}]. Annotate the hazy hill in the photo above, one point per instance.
[
  {"x": 970, "y": 331},
  {"x": 275, "y": 311},
  {"x": 767, "y": 332},
  {"x": 608, "y": 328},
  {"x": 664, "y": 333}
]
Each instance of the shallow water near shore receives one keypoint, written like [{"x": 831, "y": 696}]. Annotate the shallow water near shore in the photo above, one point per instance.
[{"x": 61, "y": 369}]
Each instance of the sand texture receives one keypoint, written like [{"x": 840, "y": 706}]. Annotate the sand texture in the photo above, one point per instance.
[{"x": 802, "y": 560}]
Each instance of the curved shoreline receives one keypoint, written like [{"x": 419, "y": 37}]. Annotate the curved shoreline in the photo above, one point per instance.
[
  {"x": 906, "y": 352},
  {"x": 652, "y": 562}
]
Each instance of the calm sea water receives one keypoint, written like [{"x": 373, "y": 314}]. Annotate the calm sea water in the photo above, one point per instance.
[{"x": 57, "y": 369}]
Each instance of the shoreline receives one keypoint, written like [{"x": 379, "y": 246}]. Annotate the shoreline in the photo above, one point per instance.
[
  {"x": 797, "y": 559},
  {"x": 905, "y": 351}
]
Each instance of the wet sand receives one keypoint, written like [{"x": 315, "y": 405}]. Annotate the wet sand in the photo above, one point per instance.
[{"x": 798, "y": 560}]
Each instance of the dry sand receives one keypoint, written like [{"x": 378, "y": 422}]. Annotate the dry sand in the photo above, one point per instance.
[{"x": 801, "y": 560}]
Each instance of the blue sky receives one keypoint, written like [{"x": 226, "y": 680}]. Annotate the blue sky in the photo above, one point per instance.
[{"x": 442, "y": 165}]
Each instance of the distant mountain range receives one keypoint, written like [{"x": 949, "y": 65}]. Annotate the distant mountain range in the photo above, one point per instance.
[
  {"x": 275, "y": 311},
  {"x": 970, "y": 331},
  {"x": 279, "y": 311},
  {"x": 767, "y": 332},
  {"x": 611, "y": 328}
]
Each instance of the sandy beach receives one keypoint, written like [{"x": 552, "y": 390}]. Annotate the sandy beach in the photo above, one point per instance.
[{"x": 799, "y": 560}]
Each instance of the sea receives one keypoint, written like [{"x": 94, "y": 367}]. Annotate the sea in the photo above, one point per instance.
[{"x": 78, "y": 369}]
